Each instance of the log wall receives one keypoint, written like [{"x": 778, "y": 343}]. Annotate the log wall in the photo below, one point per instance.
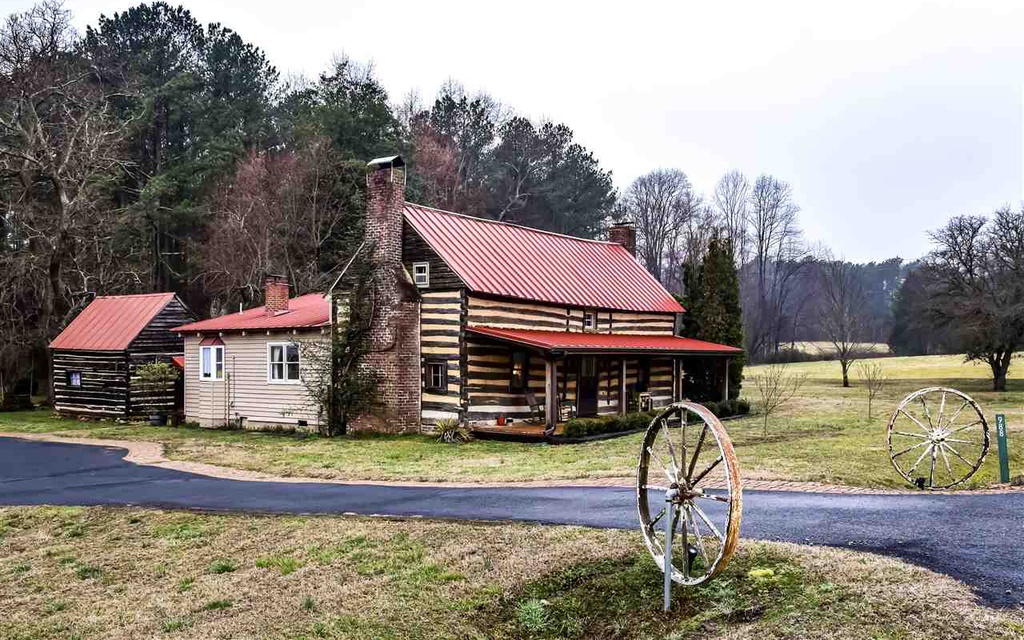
[
  {"x": 104, "y": 390},
  {"x": 441, "y": 314}
]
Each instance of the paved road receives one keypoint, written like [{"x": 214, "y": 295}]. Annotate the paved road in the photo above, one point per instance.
[{"x": 976, "y": 538}]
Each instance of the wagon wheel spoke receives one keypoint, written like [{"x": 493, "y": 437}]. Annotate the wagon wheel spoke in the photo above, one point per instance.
[
  {"x": 960, "y": 441},
  {"x": 654, "y": 521},
  {"x": 660, "y": 462},
  {"x": 942, "y": 408},
  {"x": 711, "y": 525},
  {"x": 920, "y": 458},
  {"x": 696, "y": 453},
  {"x": 945, "y": 459},
  {"x": 957, "y": 454},
  {"x": 927, "y": 413},
  {"x": 931, "y": 471},
  {"x": 912, "y": 435},
  {"x": 706, "y": 471},
  {"x": 655, "y": 487},
  {"x": 956, "y": 414},
  {"x": 715, "y": 498},
  {"x": 965, "y": 427},
  {"x": 672, "y": 452},
  {"x": 909, "y": 449},
  {"x": 696, "y": 534},
  {"x": 914, "y": 420}
]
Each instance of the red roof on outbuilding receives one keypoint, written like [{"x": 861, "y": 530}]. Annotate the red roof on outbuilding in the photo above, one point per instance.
[
  {"x": 518, "y": 262},
  {"x": 310, "y": 310},
  {"x": 110, "y": 323},
  {"x": 604, "y": 342}
]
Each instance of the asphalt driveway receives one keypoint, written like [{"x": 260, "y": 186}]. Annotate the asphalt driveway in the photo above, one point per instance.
[{"x": 976, "y": 538}]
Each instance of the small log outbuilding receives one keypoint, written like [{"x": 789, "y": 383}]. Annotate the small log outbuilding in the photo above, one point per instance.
[{"x": 95, "y": 357}]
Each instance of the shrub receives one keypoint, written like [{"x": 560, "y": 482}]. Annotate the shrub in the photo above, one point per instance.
[
  {"x": 712, "y": 406},
  {"x": 452, "y": 431},
  {"x": 743, "y": 407},
  {"x": 585, "y": 427}
]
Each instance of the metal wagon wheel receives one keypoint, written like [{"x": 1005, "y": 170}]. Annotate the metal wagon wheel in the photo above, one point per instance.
[
  {"x": 687, "y": 460},
  {"x": 938, "y": 438}
]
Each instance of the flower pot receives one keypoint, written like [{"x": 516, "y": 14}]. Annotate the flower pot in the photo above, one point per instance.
[{"x": 157, "y": 419}]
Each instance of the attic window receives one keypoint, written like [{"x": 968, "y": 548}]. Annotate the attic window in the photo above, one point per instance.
[
  {"x": 74, "y": 378},
  {"x": 421, "y": 274},
  {"x": 589, "y": 321}
]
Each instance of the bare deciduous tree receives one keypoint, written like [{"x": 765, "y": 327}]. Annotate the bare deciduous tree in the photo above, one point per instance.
[
  {"x": 777, "y": 257},
  {"x": 730, "y": 200},
  {"x": 873, "y": 375},
  {"x": 775, "y": 387},
  {"x": 660, "y": 204},
  {"x": 842, "y": 315}
]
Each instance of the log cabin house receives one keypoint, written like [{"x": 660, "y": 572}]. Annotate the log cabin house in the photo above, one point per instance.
[
  {"x": 94, "y": 358},
  {"x": 485, "y": 322}
]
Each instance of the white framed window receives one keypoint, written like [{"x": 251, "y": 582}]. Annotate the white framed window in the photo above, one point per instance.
[
  {"x": 74, "y": 378},
  {"x": 421, "y": 274},
  {"x": 211, "y": 363},
  {"x": 589, "y": 320},
  {"x": 282, "y": 363},
  {"x": 436, "y": 378}
]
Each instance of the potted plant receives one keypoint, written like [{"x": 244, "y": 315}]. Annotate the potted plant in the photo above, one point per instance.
[{"x": 156, "y": 379}]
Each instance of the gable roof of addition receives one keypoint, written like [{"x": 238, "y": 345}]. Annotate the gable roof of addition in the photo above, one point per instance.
[
  {"x": 307, "y": 311},
  {"x": 110, "y": 323},
  {"x": 512, "y": 261}
]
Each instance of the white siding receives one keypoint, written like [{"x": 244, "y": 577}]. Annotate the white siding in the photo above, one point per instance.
[{"x": 245, "y": 393}]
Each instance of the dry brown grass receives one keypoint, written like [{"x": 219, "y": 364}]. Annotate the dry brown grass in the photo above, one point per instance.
[{"x": 129, "y": 573}]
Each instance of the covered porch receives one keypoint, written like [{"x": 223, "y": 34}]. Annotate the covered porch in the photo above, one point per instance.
[{"x": 587, "y": 374}]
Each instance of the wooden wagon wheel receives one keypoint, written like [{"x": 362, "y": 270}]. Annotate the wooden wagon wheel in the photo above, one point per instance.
[
  {"x": 687, "y": 460},
  {"x": 938, "y": 438}
]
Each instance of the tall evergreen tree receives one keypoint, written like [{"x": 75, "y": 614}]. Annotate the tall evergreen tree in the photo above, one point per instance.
[{"x": 714, "y": 315}]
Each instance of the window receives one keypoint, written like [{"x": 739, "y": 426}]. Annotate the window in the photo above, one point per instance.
[
  {"x": 421, "y": 274},
  {"x": 74, "y": 378},
  {"x": 520, "y": 371},
  {"x": 282, "y": 362},
  {"x": 589, "y": 321},
  {"x": 436, "y": 376},
  {"x": 211, "y": 363}
]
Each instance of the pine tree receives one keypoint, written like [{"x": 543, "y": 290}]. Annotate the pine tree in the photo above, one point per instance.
[{"x": 714, "y": 315}]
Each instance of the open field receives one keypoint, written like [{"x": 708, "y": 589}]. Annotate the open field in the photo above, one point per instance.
[
  {"x": 822, "y": 435},
  {"x": 817, "y": 347},
  {"x": 121, "y": 573}
]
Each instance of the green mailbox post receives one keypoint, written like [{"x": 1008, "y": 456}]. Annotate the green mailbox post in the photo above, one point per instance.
[{"x": 1004, "y": 454}]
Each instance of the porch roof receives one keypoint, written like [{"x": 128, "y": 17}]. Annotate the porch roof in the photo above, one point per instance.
[{"x": 577, "y": 342}]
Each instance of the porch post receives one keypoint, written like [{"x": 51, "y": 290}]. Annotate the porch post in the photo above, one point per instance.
[
  {"x": 550, "y": 393},
  {"x": 622, "y": 388},
  {"x": 725, "y": 382}
]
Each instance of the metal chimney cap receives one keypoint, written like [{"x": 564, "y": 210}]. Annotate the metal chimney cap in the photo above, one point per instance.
[{"x": 388, "y": 161}]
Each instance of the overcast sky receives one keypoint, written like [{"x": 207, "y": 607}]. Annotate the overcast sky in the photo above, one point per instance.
[{"x": 886, "y": 117}]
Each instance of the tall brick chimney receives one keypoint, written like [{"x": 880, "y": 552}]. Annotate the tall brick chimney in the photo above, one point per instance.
[
  {"x": 394, "y": 336},
  {"x": 275, "y": 294},
  {"x": 385, "y": 200},
  {"x": 624, "y": 233}
]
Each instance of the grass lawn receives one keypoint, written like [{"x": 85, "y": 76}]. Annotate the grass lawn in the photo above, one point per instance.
[
  {"x": 822, "y": 435},
  {"x": 130, "y": 573}
]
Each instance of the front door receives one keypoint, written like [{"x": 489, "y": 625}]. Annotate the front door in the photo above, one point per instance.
[{"x": 586, "y": 388}]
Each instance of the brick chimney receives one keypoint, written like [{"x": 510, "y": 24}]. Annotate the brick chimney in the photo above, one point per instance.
[
  {"x": 275, "y": 294},
  {"x": 624, "y": 233},
  {"x": 385, "y": 200}
]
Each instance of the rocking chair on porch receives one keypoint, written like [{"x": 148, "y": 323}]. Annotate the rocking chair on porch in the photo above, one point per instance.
[{"x": 536, "y": 408}]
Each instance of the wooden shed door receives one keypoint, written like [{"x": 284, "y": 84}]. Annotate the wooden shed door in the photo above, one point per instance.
[{"x": 587, "y": 387}]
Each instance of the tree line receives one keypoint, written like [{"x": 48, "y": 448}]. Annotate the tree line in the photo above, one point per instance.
[{"x": 155, "y": 153}]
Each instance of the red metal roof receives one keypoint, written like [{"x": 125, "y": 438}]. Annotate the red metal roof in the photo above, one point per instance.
[
  {"x": 178, "y": 361},
  {"x": 610, "y": 342},
  {"x": 518, "y": 262},
  {"x": 310, "y": 310},
  {"x": 110, "y": 323}
]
